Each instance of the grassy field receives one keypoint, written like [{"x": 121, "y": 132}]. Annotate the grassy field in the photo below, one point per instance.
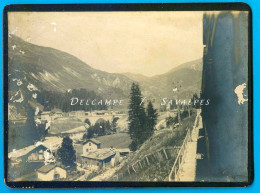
[
  {"x": 62, "y": 125},
  {"x": 118, "y": 140}
]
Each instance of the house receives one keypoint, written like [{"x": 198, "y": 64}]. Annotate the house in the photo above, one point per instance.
[
  {"x": 65, "y": 114},
  {"x": 26, "y": 160},
  {"x": 99, "y": 159},
  {"x": 77, "y": 114},
  {"x": 32, "y": 153},
  {"x": 94, "y": 157},
  {"x": 39, "y": 152},
  {"x": 78, "y": 148},
  {"x": 46, "y": 115},
  {"x": 51, "y": 172},
  {"x": 117, "y": 113},
  {"x": 91, "y": 145},
  {"x": 53, "y": 143},
  {"x": 100, "y": 113},
  {"x": 58, "y": 114},
  {"x": 124, "y": 151},
  {"x": 13, "y": 115},
  {"x": 80, "y": 113}
]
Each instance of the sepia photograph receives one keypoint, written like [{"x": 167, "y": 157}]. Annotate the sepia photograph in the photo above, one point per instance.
[{"x": 128, "y": 96}]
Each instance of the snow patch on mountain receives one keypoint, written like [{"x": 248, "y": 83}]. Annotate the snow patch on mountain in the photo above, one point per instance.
[
  {"x": 69, "y": 70},
  {"x": 37, "y": 122},
  {"x": 37, "y": 110},
  {"x": 48, "y": 77},
  {"x": 34, "y": 76},
  {"x": 34, "y": 95},
  {"x": 20, "y": 99},
  {"x": 31, "y": 87},
  {"x": 48, "y": 124}
]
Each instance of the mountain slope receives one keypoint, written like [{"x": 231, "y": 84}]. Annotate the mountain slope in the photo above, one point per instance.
[
  {"x": 188, "y": 75},
  {"x": 52, "y": 69},
  {"x": 49, "y": 69}
]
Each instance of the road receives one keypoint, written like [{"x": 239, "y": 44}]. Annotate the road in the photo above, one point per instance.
[{"x": 107, "y": 174}]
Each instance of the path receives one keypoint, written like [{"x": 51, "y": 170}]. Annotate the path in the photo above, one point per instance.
[
  {"x": 187, "y": 171},
  {"x": 107, "y": 174},
  {"x": 101, "y": 177},
  {"x": 83, "y": 177}
]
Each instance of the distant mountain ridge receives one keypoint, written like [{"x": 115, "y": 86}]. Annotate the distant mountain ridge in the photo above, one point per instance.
[
  {"x": 50, "y": 69},
  {"x": 135, "y": 76}
]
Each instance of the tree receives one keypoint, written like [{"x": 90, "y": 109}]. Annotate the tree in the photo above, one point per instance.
[
  {"x": 114, "y": 124},
  {"x": 29, "y": 132},
  {"x": 90, "y": 133},
  {"x": 87, "y": 121},
  {"x": 100, "y": 128},
  {"x": 136, "y": 118},
  {"x": 162, "y": 108},
  {"x": 55, "y": 99},
  {"x": 42, "y": 131},
  {"x": 195, "y": 101},
  {"x": 170, "y": 121},
  {"x": 184, "y": 114},
  {"x": 66, "y": 152},
  {"x": 152, "y": 116}
]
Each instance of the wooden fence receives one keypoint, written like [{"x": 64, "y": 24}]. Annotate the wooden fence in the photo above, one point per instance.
[
  {"x": 175, "y": 153},
  {"x": 147, "y": 161}
]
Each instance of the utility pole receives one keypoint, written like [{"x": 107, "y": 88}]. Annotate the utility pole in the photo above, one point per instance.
[{"x": 176, "y": 88}]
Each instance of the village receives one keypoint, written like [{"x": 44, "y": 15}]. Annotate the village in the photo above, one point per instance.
[
  {"x": 39, "y": 161},
  {"x": 97, "y": 156}
]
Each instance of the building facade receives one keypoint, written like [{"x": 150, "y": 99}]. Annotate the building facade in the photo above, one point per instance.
[
  {"x": 99, "y": 159},
  {"x": 51, "y": 172},
  {"x": 91, "y": 145}
]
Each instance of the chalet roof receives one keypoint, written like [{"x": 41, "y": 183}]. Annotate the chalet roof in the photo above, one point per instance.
[
  {"x": 24, "y": 151},
  {"x": 46, "y": 168},
  {"x": 56, "y": 110},
  {"x": 52, "y": 143},
  {"x": 46, "y": 112},
  {"x": 124, "y": 150},
  {"x": 93, "y": 141},
  {"x": 100, "y": 154}
]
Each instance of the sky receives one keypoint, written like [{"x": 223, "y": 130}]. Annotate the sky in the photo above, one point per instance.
[{"x": 147, "y": 43}]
